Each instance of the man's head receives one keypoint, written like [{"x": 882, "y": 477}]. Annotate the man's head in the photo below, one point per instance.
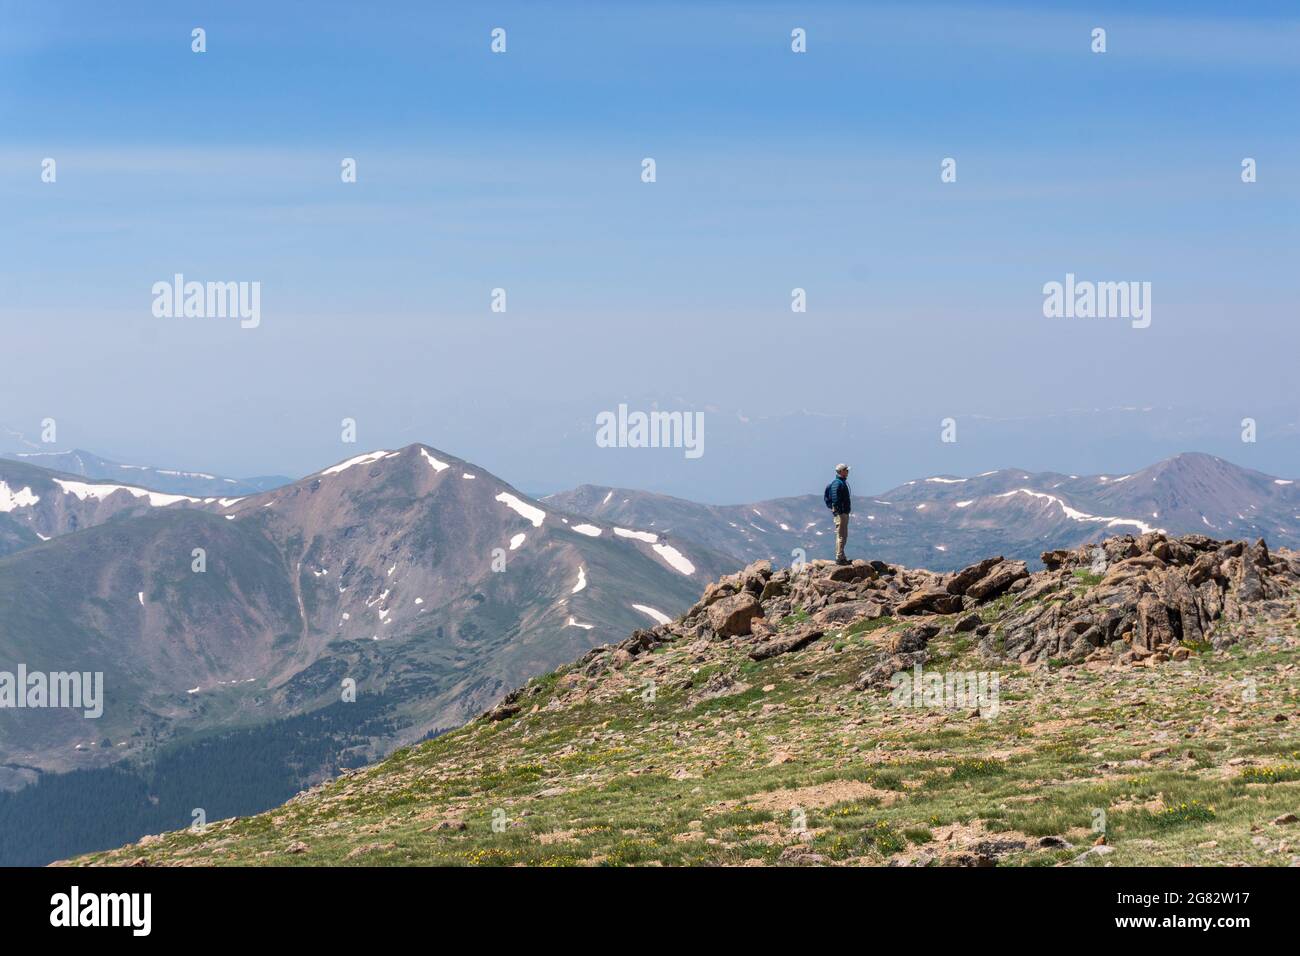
[{"x": 842, "y": 470}]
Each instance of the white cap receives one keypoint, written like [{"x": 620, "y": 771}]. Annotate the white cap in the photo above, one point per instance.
[{"x": 841, "y": 467}]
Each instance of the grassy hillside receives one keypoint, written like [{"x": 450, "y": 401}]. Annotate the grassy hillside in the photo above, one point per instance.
[{"x": 687, "y": 747}]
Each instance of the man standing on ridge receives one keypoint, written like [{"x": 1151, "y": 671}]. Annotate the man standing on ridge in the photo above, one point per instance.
[{"x": 837, "y": 499}]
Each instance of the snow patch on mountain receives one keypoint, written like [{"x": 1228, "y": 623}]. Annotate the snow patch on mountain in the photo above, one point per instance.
[
  {"x": 83, "y": 490},
  {"x": 434, "y": 463},
  {"x": 22, "y": 498},
  {"x": 1077, "y": 515},
  {"x": 676, "y": 560},
  {"x": 359, "y": 460},
  {"x": 533, "y": 514},
  {"x": 659, "y": 616}
]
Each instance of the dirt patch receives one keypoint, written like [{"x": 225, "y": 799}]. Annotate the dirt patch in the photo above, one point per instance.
[{"x": 815, "y": 797}]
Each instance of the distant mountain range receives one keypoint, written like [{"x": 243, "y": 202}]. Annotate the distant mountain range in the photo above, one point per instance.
[
  {"x": 416, "y": 574},
  {"x": 436, "y": 587},
  {"x": 89, "y": 465},
  {"x": 946, "y": 522},
  {"x": 756, "y": 449}
]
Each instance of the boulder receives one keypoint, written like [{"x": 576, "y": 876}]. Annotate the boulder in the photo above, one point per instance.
[
  {"x": 848, "y": 612},
  {"x": 913, "y": 639},
  {"x": 785, "y": 643},
  {"x": 1055, "y": 560},
  {"x": 859, "y": 570},
  {"x": 999, "y": 579},
  {"x": 503, "y": 712},
  {"x": 755, "y": 576},
  {"x": 930, "y": 601},
  {"x": 775, "y": 586},
  {"x": 730, "y": 617},
  {"x": 1038, "y": 585},
  {"x": 968, "y": 576},
  {"x": 881, "y": 673}
]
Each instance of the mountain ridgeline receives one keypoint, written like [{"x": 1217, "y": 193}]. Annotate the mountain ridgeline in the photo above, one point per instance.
[{"x": 948, "y": 522}]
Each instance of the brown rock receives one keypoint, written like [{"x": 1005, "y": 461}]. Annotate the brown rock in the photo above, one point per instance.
[
  {"x": 859, "y": 570},
  {"x": 503, "y": 711},
  {"x": 755, "y": 576},
  {"x": 998, "y": 580},
  {"x": 930, "y": 601},
  {"x": 913, "y": 639},
  {"x": 968, "y": 576},
  {"x": 793, "y": 641},
  {"x": 731, "y": 616},
  {"x": 1153, "y": 626},
  {"x": 800, "y": 855},
  {"x": 848, "y": 612}
]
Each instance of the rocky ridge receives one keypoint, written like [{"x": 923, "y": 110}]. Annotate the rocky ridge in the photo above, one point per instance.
[{"x": 1130, "y": 601}]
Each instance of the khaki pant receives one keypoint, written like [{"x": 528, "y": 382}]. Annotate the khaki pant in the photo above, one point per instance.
[{"x": 841, "y": 535}]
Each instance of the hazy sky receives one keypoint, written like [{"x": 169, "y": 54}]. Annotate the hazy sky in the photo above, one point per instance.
[{"x": 522, "y": 170}]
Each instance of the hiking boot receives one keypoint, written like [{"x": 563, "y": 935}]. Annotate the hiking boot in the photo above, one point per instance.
[{"x": 843, "y": 561}]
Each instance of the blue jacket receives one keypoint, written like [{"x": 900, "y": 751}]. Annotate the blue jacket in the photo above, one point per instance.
[{"x": 837, "y": 496}]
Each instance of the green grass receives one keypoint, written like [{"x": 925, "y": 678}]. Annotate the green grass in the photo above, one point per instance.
[
  {"x": 1190, "y": 812},
  {"x": 797, "y": 615},
  {"x": 1279, "y": 773},
  {"x": 606, "y": 778}
]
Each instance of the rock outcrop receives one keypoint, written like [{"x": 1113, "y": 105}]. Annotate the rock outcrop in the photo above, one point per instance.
[
  {"x": 1143, "y": 596},
  {"x": 1131, "y": 599}
]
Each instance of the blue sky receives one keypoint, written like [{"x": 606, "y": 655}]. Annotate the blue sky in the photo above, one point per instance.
[{"x": 521, "y": 170}]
